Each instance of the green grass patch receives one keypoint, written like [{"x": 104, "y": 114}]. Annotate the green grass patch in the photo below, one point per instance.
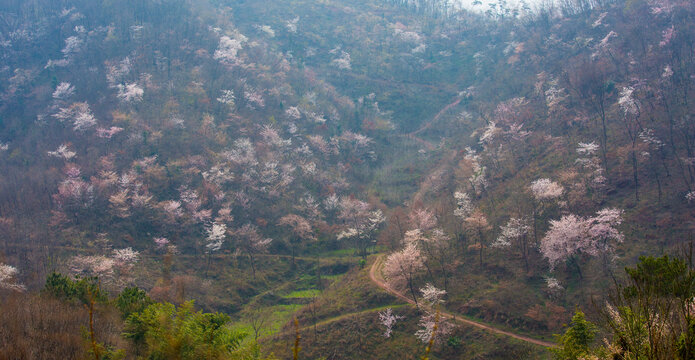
[{"x": 303, "y": 294}]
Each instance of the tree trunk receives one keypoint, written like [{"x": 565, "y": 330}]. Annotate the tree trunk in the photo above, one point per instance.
[{"x": 412, "y": 291}]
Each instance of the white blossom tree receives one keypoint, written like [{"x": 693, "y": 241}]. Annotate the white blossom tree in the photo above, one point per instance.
[
  {"x": 8, "y": 280},
  {"x": 388, "y": 319},
  {"x": 434, "y": 327},
  {"x": 515, "y": 232}
]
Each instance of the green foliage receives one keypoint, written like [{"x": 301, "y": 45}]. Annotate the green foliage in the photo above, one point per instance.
[
  {"x": 164, "y": 331},
  {"x": 575, "y": 342},
  {"x": 62, "y": 287},
  {"x": 660, "y": 277},
  {"x": 132, "y": 300},
  {"x": 686, "y": 343},
  {"x": 652, "y": 315},
  {"x": 454, "y": 342}
]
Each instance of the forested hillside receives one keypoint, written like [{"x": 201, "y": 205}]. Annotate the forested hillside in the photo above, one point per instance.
[{"x": 231, "y": 179}]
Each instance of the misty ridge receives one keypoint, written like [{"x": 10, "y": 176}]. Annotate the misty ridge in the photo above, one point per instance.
[{"x": 347, "y": 179}]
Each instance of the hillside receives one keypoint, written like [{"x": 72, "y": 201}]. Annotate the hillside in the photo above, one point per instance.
[{"x": 482, "y": 174}]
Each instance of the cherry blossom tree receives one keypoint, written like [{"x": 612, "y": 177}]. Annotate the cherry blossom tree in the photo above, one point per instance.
[
  {"x": 8, "y": 275},
  {"x": 432, "y": 295},
  {"x": 74, "y": 194},
  {"x": 124, "y": 261},
  {"x": 361, "y": 223},
  {"x": 108, "y": 133},
  {"x": 228, "y": 49},
  {"x": 63, "y": 91},
  {"x": 515, "y": 232},
  {"x": 464, "y": 205},
  {"x": 630, "y": 119},
  {"x": 62, "y": 152},
  {"x": 572, "y": 236},
  {"x": 130, "y": 92},
  {"x": 227, "y": 98},
  {"x": 564, "y": 240},
  {"x": 546, "y": 189},
  {"x": 79, "y": 114},
  {"x": 402, "y": 266},
  {"x": 543, "y": 191},
  {"x": 342, "y": 62},
  {"x": 589, "y": 160},
  {"x": 160, "y": 242},
  {"x": 434, "y": 328},
  {"x": 388, "y": 319},
  {"x": 250, "y": 242},
  {"x": 301, "y": 231},
  {"x": 477, "y": 223},
  {"x": 92, "y": 265},
  {"x": 422, "y": 219},
  {"x": 216, "y": 236}
]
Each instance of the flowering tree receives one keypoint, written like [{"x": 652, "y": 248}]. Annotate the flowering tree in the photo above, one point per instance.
[
  {"x": 434, "y": 328},
  {"x": 432, "y": 295},
  {"x": 589, "y": 160},
  {"x": 515, "y": 232},
  {"x": 74, "y": 194},
  {"x": 361, "y": 223},
  {"x": 422, "y": 219},
  {"x": 437, "y": 247},
  {"x": 63, "y": 91},
  {"x": 631, "y": 113},
  {"x": 565, "y": 239},
  {"x": 92, "y": 265},
  {"x": 300, "y": 228},
  {"x": 464, "y": 205},
  {"x": 228, "y": 49},
  {"x": 388, "y": 319},
  {"x": 124, "y": 261},
  {"x": 545, "y": 189},
  {"x": 216, "y": 236},
  {"x": 130, "y": 92},
  {"x": 62, "y": 152},
  {"x": 477, "y": 223},
  {"x": 402, "y": 266},
  {"x": 7, "y": 278},
  {"x": 79, "y": 114},
  {"x": 251, "y": 243},
  {"x": 573, "y": 235}
]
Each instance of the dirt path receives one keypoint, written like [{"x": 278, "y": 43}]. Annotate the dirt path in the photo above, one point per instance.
[
  {"x": 325, "y": 322},
  {"x": 375, "y": 276},
  {"x": 437, "y": 173},
  {"x": 441, "y": 112}
]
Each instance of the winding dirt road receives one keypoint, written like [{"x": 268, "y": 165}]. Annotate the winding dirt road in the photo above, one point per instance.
[{"x": 375, "y": 276}]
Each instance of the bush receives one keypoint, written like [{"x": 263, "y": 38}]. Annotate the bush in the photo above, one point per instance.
[
  {"x": 132, "y": 300},
  {"x": 62, "y": 287},
  {"x": 163, "y": 331}
]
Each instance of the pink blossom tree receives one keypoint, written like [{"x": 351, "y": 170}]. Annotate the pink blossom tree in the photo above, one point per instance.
[
  {"x": 402, "y": 266},
  {"x": 477, "y": 224},
  {"x": 573, "y": 236},
  {"x": 300, "y": 229},
  {"x": 250, "y": 242}
]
